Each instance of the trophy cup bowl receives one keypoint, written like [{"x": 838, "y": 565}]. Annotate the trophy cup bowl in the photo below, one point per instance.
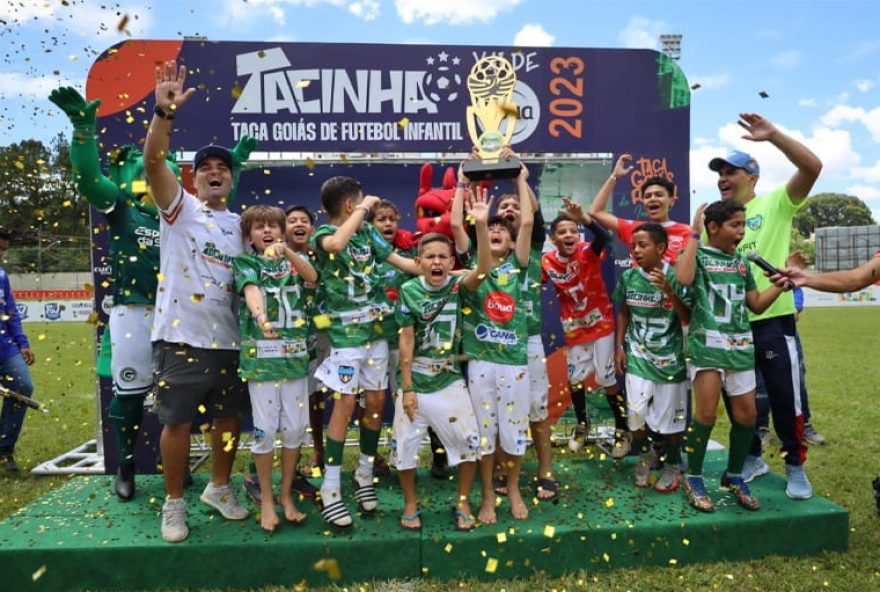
[{"x": 490, "y": 84}]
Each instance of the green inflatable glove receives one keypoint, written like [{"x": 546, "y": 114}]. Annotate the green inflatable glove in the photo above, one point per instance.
[{"x": 82, "y": 115}]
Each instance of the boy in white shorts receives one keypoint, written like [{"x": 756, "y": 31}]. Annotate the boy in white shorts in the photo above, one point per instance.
[
  {"x": 575, "y": 269},
  {"x": 433, "y": 390},
  {"x": 495, "y": 338},
  {"x": 274, "y": 353},
  {"x": 650, "y": 350},
  {"x": 720, "y": 345},
  {"x": 348, "y": 249}
]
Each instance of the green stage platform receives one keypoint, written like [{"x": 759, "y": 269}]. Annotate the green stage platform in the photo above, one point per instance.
[{"x": 80, "y": 536}]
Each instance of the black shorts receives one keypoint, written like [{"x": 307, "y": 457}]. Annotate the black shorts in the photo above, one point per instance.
[{"x": 188, "y": 378}]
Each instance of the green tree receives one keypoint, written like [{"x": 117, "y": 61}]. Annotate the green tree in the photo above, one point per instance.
[
  {"x": 832, "y": 209},
  {"x": 39, "y": 205}
]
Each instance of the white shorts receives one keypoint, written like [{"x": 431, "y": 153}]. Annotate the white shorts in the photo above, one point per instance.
[
  {"x": 663, "y": 406},
  {"x": 450, "y": 413},
  {"x": 322, "y": 348},
  {"x": 131, "y": 361},
  {"x": 596, "y": 356},
  {"x": 538, "y": 383},
  {"x": 349, "y": 370},
  {"x": 500, "y": 396},
  {"x": 735, "y": 382},
  {"x": 279, "y": 406}
]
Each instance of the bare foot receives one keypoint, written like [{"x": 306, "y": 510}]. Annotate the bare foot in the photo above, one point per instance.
[
  {"x": 487, "y": 511},
  {"x": 291, "y": 513},
  {"x": 517, "y": 506},
  {"x": 268, "y": 518}
]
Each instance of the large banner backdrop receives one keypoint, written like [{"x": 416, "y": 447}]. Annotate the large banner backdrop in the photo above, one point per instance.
[{"x": 318, "y": 108}]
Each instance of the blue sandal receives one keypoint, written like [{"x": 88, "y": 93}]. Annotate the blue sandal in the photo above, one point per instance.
[
  {"x": 459, "y": 515},
  {"x": 412, "y": 516}
]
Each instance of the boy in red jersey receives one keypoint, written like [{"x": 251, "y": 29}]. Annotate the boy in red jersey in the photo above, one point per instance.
[
  {"x": 575, "y": 268},
  {"x": 658, "y": 195}
]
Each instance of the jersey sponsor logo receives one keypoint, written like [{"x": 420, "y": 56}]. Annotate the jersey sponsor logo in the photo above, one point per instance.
[
  {"x": 741, "y": 269},
  {"x": 128, "y": 374},
  {"x": 214, "y": 255},
  {"x": 360, "y": 253},
  {"x": 148, "y": 237},
  {"x": 755, "y": 222},
  {"x": 493, "y": 335},
  {"x": 345, "y": 373},
  {"x": 646, "y": 299},
  {"x": 499, "y": 307}
]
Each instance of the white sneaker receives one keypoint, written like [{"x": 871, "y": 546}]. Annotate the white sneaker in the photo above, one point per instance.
[
  {"x": 622, "y": 445},
  {"x": 224, "y": 501},
  {"x": 174, "y": 528},
  {"x": 754, "y": 466},
  {"x": 578, "y": 437}
]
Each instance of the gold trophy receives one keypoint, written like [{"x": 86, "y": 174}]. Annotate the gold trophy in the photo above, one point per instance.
[{"x": 490, "y": 84}]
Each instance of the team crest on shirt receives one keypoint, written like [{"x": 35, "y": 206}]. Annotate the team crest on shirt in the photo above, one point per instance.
[
  {"x": 675, "y": 244},
  {"x": 392, "y": 293},
  {"x": 755, "y": 222},
  {"x": 667, "y": 303},
  {"x": 345, "y": 373},
  {"x": 741, "y": 268}
]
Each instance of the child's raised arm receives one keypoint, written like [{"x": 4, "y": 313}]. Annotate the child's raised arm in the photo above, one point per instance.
[
  {"x": 686, "y": 265},
  {"x": 597, "y": 208},
  {"x": 456, "y": 214},
  {"x": 526, "y": 217},
  {"x": 336, "y": 242},
  {"x": 479, "y": 207}
]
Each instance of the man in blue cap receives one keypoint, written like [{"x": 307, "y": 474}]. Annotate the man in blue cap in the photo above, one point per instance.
[
  {"x": 195, "y": 331},
  {"x": 768, "y": 232}
]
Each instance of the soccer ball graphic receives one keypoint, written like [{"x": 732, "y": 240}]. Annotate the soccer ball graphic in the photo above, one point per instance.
[{"x": 442, "y": 85}]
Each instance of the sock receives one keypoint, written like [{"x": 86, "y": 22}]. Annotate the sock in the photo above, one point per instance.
[
  {"x": 369, "y": 441},
  {"x": 617, "y": 403},
  {"x": 697, "y": 441},
  {"x": 673, "y": 453},
  {"x": 126, "y": 414},
  {"x": 579, "y": 402},
  {"x": 332, "y": 465},
  {"x": 642, "y": 445},
  {"x": 740, "y": 441}
]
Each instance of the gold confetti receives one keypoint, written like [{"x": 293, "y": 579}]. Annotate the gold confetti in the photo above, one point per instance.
[
  {"x": 609, "y": 503},
  {"x": 39, "y": 573},
  {"x": 502, "y": 537},
  {"x": 491, "y": 565},
  {"x": 549, "y": 531},
  {"x": 310, "y": 164},
  {"x": 331, "y": 567},
  {"x": 509, "y": 109},
  {"x": 303, "y": 83},
  {"x": 236, "y": 90},
  {"x": 321, "y": 321},
  {"x": 448, "y": 548},
  {"x": 120, "y": 26},
  {"x": 403, "y": 122},
  {"x": 41, "y": 337},
  {"x": 202, "y": 409}
]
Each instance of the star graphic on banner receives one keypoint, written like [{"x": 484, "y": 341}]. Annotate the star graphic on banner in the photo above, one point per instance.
[
  {"x": 430, "y": 61},
  {"x": 442, "y": 55},
  {"x": 456, "y": 61}
]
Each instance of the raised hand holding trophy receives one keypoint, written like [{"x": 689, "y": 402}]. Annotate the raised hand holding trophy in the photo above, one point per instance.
[{"x": 490, "y": 84}]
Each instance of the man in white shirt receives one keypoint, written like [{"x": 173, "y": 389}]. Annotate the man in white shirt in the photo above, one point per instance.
[{"x": 195, "y": 335}]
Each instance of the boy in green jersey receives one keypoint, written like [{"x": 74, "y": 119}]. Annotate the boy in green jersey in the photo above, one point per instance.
[
  {"x": 274, "y": 353},
  {"x": 433, "y": 391},
  {"x": 650, "y": 352},
  {"x": 495, "y": 340},
  {"x": 720, "y": 344},
  {"x": 348, "y": 249}
]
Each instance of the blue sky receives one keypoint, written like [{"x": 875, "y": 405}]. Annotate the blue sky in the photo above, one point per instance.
[{"x": 816, "y": 60}]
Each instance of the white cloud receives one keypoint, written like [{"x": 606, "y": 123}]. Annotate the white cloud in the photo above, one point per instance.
[
  {"x": 847, "y": 114},
  {"x": 711, "y": 81},
  {"x": 236, "y": 13},
  {"x": 866, "y": 193},
  {"x": 807, "y": 102},
  {"x": 642, "y": 33},
  {"x": 834, "y": 148},
  {"x": 533, "y": 35},
  {"x": 869, "y": 174},
  {"x": 17, "y": 84},
  {"x": 864, "y": 85},
  {"x": 787, "y": 60},
  {"x": 451, "y": 12}
]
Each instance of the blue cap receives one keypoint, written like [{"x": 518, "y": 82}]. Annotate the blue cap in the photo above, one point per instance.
[
  {"x": 212, "y": 150},
  {"x": 739, "y": 160}
]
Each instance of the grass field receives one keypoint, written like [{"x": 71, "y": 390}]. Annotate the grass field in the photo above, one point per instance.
[{"x": 841, "y": 347}]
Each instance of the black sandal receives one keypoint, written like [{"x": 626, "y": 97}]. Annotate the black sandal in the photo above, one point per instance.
[{"x": 550, "y": 485}]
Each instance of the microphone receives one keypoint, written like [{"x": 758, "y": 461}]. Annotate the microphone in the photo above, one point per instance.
[{"x": 765, "y": 266}]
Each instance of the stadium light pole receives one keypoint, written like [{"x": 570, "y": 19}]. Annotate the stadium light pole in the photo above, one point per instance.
[{"x": 670, "y": 45}]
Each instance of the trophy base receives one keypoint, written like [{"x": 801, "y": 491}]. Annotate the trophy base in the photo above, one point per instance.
[{"x": 494, "y": 168}]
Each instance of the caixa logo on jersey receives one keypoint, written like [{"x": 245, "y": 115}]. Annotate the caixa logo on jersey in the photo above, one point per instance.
[
  {"x": 499, "y": 307},
  {"x": 493, "y": 335},
  {"x": 22, "y": 310}
]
